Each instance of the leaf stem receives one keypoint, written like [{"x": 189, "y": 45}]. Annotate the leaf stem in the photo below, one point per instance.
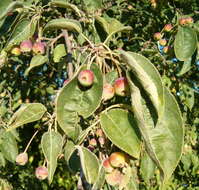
[{"x": 30, "y": 141}]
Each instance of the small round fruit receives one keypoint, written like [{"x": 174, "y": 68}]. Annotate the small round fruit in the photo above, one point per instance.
[
  {"x": 118, "y": 159},
  {"x": 168, "y": 27},
  {"x": 92, "y": 142},
  {"x": 99, "y": 133},
  {"x": 26, "y": 46},
  {"x": 39, "y": 47},
  {"x": 107, "y": 166},
  {"x": 166, "y": 49},
  {"x": 162, "y": 42},
  {"x": 41, "y": 172},
  {"x": 189, "y": 20},
  {"x": 182, "y": 21},
  {"x": 108, "y": 91},
  {"x": 86, "y": 78},
  {"x": 22, "y": 159},
  {"x": 121, "y": 87},
  {"x": 114, "y": 178},
  {"x": 16, "y": 51},
  {"x": 157, "y": 36}
]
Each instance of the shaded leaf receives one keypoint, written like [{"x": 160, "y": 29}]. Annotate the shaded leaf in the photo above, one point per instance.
[
  {"x": 121, "y": 128},
  {"x": 73, "y": 101},
  {"x": 92, "y": 5},
  {"x": 51, "y": 144},
  {"x": 90, "y": 164},
  {"x": 185, "y": 43},
  {"x": 27, "y": 113},
  {"x": 2, "y": 160},
  {"x": 8, "y": 145},
  {"x": 148, "y": 76},
  {"x": 36, "y": 61},
  {"x": 63, "y": 23},
  {"x": 110, "y": 77},
  {"x": 189, "y": 96}
]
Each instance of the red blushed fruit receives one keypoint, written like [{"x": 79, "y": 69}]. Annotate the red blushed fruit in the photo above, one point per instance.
[
  {"x": 92, "y": 142},
  {"x": 166, "y": 49},
  {"x": 99, "y": 133},
  {"x": 107, "y": 166},
  {"x": 118, "y": 159},
  {"x": 22, "y": 159},
  {"x": 41, "y": 172},
  {"x": 39, "y": 47},
  {"x": 121, "y": 87},
  {"x": 183, "y": 21},
  {"x": 66, "y": 81},
  {"x": 108, "y": 92},
  {"x": 114, "y": 178},
  {"x": 86, "y": 78},
  {"x": 16, "y": 51},
  {"x": 157, "y": 36},
  {"x": 162, "y": 42},
  {"x": 168, "y": 27},
  {"x": 26, "y": 46}
]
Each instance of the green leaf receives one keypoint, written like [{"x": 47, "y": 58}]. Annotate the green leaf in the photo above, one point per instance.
[
  {"x": 92, "y": 5},
  {"x": 100, "y": 179},
  {"x": 73, "y": 101},
  {"x": 22, "y": 31},
  {"x": 147, "y": 167},
  {"x": 2, "y": 160},
  {"x": 110, "y": 77},
  {"x": 59, "y": 52},
  {"x": 65, "y": 4},
  {"x": 189, "y": 96},
  {"x": 36, "y": 61},
  {"x": 51, "y": 144},
  {"x": 185, "y": 43},
  {"x": 111, "y": 26},
  {"x": 26, "y": 114},
  {"x": 8, "y": 145},
  {"x": 71, "y": 157},
  {"x": 63, "y": 23},
  {"x": 121, "y": 128},
  {"x": 7, "y": 6},
  {"x": 164, "y": 142},
  {"x": 185, "y": 67},
  {"x": 148, "y": 76},
  {"x": 90, "y": 164}
]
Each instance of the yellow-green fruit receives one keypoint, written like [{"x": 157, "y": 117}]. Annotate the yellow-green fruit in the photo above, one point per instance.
[
  {"x": 118, "y": 159},
  {"x": 16, "y": 51}
]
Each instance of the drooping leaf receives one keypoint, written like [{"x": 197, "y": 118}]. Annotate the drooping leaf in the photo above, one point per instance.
[
  {"x": 111, "y": 26},
  {"x": 90, "y": 164},
  {"x": 59, "y": 52},
  {"x": 22, "y": 31},
  {"x": 148, "y": 76},
  {"x": 63, "y": 23},
  {"x": 27, "y": 113},
  {"x": 185, "y": 43},
  {"x": 73, "y": 101},
  {"x": 185, "y": 67},
  {"x": 8, "y": 145},
  {"x": 7, "y": 6},
  {"x": 36, "y": 61},
  {"x": 121, "y": 128},
  {"x": 164, "y": 142},
  {"x": 100, "y": 180},
  {"x": 147, "y": 167},
  {"x": 51, "y": 144},
  {"x": 65, "y": 4}
]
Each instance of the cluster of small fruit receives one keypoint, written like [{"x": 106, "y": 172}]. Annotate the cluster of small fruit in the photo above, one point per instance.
[
  {"x": 120, "y": 86},
  {"x": 28, "y": 46},
  {"x": 160, "y": 36},
  {"x": 115, "y": 166},
  {"x": 41, "y": 172}
]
